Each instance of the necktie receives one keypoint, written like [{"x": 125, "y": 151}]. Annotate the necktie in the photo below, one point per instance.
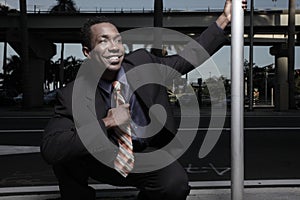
[{"x": 124, "y": 160}]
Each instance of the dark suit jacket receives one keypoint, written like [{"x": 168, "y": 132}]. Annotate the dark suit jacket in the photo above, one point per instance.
[{"x": 60, "y": 140}]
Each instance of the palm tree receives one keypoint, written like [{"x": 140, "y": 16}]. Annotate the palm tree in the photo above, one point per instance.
[
  {"x": 4, "y": 10},
  {"x": 51, "y": 74},
  {"x": 64, "y": 6},
  {"x": 52, "y": 68},
  {"x": 12, "y": 80},
  {"x": 71, "y": 68}
]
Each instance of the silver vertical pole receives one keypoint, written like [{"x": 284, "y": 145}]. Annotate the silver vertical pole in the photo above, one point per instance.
[
  {"x": 250, "y": 80},
  {"x": 237, "y": 95},
  {"x": 291, "y": 53}
]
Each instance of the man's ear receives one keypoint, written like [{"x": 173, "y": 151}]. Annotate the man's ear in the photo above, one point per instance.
[{"x": 86, "y": 52}]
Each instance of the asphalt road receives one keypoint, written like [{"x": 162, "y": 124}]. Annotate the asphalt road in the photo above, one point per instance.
[{"x": 272, "y": 147}]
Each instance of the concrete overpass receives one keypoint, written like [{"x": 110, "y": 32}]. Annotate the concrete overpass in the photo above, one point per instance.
[{"x": 270, "y": 28}]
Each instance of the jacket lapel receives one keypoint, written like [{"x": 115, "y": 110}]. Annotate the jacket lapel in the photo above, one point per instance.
[
  {"x": 95, "y": 103},
  {"x": 135, "y": 81}
]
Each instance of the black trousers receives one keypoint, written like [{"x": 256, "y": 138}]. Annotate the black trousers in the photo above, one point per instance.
[{"x": 169, "y": 183}]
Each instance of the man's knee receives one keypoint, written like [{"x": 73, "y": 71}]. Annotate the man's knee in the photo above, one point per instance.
[
  {"x": 177, "y": 189},
  {"x": 73, "y": 182}
]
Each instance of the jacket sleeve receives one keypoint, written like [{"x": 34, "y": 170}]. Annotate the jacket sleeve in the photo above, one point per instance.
[
  {"x": 195, "y": 53},
  {"x": 60, "y": 140}
]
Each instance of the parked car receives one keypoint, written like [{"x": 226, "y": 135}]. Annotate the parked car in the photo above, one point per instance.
[
  {"x": 49, "y": 98},
  {"x": 18, "y": 99}
]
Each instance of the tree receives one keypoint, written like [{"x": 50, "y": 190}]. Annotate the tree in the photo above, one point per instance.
[
  {"x": 64, "y": 6},
  {"x": 51, "y": 74},
  {"x": 71, "y": 67},
  {"x": 12, "y": 84},
  {"x": 4, "y": 10}
]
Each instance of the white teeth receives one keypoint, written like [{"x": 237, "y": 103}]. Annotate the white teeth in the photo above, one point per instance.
[{"x": 114, "y": 59}]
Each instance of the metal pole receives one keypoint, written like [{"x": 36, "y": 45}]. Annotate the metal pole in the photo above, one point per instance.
[
  {"x": 61, "y": 66},
  {"x": 250, "y": 90},
  {"x": 157, "y": 22},
  {"x": 27, "y": 99},
  {"x": 266, "y": 85},
  {"x": 158, "y": 13},
  {"x": 4, "y": 57},
  {"x": 291, "y": 53},
  {"x": 237, "y": 97}
]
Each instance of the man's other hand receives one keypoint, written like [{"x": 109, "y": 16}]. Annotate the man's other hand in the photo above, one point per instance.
[{"x": 117, "y": 116}]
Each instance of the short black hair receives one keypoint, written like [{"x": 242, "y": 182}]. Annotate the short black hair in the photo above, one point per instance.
[{"x": 86, "y": 29}]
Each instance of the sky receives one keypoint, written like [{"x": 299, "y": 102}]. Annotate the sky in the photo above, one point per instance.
[
  {"x": 221, "y": 58},
  {"x": 85, "y": 5}
]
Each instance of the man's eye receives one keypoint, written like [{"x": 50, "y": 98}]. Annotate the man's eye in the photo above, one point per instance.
[
  {"x": 103, "y": 41},
  {"x": 118, "y": 40}
]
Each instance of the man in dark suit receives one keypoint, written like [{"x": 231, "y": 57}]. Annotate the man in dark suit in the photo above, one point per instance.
[{"x": 73, "y": 160}]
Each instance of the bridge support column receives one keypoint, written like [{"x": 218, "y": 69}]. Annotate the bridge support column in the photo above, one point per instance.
[
  {"x": 37, "y": 73},
  {"x": 281, "y": 77},
  {"x": 40, "y": 50}
]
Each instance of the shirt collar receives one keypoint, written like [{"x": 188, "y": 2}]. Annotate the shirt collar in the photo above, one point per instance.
[
  {"x": 106, "y": 86},
  {"x": 121, "y": 76}
]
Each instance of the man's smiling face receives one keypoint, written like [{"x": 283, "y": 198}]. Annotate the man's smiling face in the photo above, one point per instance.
[{"x": 106, "y": 46}]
